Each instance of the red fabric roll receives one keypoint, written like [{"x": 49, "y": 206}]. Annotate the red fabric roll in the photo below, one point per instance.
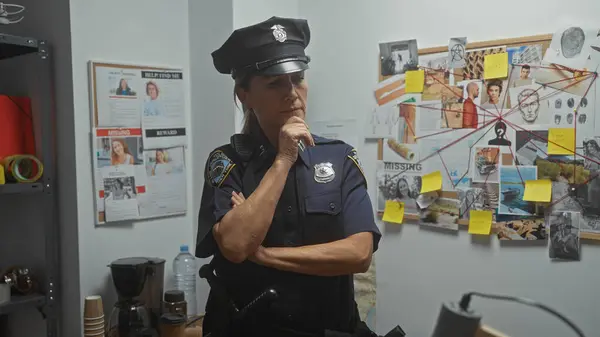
[{"x": 16, "y": 126}]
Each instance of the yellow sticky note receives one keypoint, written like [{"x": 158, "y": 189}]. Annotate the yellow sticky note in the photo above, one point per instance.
[
  {"x": 394, "y": 211},
  {"x": 538, "y": 190},
  {"x": 495, "y": 66},
  {"x": 431, "y": 182},
  {"x": 561, "y": 141},
  {"x": 415, "y": 81},
  {"x": 480, "y": 222}
]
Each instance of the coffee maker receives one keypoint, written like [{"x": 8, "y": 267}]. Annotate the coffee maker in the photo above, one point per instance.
[{"x": 139, "y": 282}]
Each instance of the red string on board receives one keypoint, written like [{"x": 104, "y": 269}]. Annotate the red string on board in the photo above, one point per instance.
[{"x": 499, "y": 116}]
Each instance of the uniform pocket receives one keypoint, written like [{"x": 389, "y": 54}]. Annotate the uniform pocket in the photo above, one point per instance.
[
  {"x": 323, "y": 219},
  {"x": 326, "y": 203}
]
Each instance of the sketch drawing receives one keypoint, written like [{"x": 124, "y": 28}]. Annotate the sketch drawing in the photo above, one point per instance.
[{"x": 456, "y": 52}]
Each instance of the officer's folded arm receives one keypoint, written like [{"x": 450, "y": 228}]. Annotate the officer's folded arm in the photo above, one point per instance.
[
  {"x": 242, "y": 229},
  {"x": 351, "y": 255}
]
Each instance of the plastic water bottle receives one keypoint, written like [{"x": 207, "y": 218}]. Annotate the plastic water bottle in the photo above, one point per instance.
[{"x": 184, "y": 268}]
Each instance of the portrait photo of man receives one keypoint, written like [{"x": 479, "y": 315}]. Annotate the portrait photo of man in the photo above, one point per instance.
[
  {"x": 494, "y": 92},
  {"x": 469, "y": 108}
]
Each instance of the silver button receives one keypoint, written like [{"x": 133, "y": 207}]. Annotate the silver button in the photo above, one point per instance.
[
  {"x": 289, "y": 208},
  {"x": 332, "y": 206}
]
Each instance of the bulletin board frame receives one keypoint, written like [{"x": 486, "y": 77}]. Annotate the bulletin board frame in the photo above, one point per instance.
[
  {"x": 543, "y": 39},
  {"x": 95, "y": 68}
]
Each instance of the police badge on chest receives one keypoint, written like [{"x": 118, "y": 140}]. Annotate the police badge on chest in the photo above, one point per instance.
[{"x": 324, "y": 173}]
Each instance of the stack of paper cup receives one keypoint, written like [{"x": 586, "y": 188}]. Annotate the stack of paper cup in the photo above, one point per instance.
[{"x": 93, "y": 317}]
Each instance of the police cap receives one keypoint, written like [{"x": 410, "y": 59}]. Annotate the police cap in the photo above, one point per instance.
[{"x": 272, "y": 47}]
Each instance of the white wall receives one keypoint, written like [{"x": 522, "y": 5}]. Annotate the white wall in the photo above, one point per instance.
[
  {"x": 417, "y": 269},
  {"x": 147, "y": 32},
  {"x": 211, "y": 22}
]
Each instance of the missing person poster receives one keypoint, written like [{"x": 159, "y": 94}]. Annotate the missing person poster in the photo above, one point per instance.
[{"x": 138, "y": 141}]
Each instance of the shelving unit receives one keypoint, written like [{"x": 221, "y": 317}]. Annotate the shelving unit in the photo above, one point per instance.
[{"x": 26, "y": 68}]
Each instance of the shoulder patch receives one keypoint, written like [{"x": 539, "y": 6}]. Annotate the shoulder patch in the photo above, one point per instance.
[
  {"x": 353, "y": 155},
  {"x": 219, "y": 167}
]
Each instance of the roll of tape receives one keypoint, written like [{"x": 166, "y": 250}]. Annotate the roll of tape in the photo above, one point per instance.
[
  {"x": 402, "y": 150},
  {"x": 23, "y": 168}
]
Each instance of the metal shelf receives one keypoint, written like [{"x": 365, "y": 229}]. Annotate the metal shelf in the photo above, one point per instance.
[
  {"x": 22, "y": 302},
  {"x": 21, "y": 188},
  {"x": 12, "y": 46},
  {"x": 29, "y": 60}
]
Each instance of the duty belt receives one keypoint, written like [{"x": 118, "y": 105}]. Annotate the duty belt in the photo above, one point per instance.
[{"x": 229, "y": 314}]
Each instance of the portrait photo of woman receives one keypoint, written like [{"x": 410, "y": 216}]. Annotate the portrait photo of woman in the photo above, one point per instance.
[
  {"x": 120, "y": 153},
  {"x": 123, "y": 89},
  {"x": 153, "y": 105}
]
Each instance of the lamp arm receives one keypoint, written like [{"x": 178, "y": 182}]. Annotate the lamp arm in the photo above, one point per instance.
[{"x": 466, "y": 299}]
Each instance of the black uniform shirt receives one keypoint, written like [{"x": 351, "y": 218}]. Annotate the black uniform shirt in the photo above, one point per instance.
[{"x": 324, "y": 199}]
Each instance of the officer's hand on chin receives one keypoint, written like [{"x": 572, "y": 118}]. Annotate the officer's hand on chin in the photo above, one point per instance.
[{"x": 292, "y": 132}]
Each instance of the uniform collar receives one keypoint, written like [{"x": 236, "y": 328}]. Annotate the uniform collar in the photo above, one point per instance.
[{"x": 266, "y": 151}]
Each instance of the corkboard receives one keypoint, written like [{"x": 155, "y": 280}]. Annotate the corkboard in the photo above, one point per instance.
[{"x": 507, "y": 159}]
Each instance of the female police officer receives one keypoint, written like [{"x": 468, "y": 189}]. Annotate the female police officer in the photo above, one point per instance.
[{"x": 307, "y": 224}]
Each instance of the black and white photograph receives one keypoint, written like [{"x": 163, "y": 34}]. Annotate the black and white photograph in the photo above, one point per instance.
[
  {"x": 122, "y": 188},
  {"x": 398, "y": 57},
  {"x": 396, "y": 182},
  {"x": 564, "y": 235},
  {"x": 530, "y": 145},
  {"x": 477, "y": 197}
]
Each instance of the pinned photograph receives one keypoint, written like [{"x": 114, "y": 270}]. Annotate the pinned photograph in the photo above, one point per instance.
[
  {"x": 437, "y": 75},
  {"x": 566, "y": 79},
  {"x": 479, "y": 197},
  {"x": 446, "y": 113},
  {"x": 457, "y": 52},
  {"x": 398, "y": 57},
  {"x": 485, "y": 164},
  {"x": 400, "y": 182},
  {"x": 442, "y": 213},
  {"x": 517, "y": 228},
  {"x": 472, "y": 117},
  {"x": 564, "y": 235},
  {"x": 512, "y": 188},
  {"x": 473, "y": 69},
  {"x": 571, "y": 46},
  {"x": 523, "y": 61},
  {"x": 494, "y": 96},
  {"x": 530, "y": 146},
  {"x": 530, "y": 105}
]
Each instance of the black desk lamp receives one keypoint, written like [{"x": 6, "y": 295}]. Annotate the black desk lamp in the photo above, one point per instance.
[{"x": 456, "y": 320}]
